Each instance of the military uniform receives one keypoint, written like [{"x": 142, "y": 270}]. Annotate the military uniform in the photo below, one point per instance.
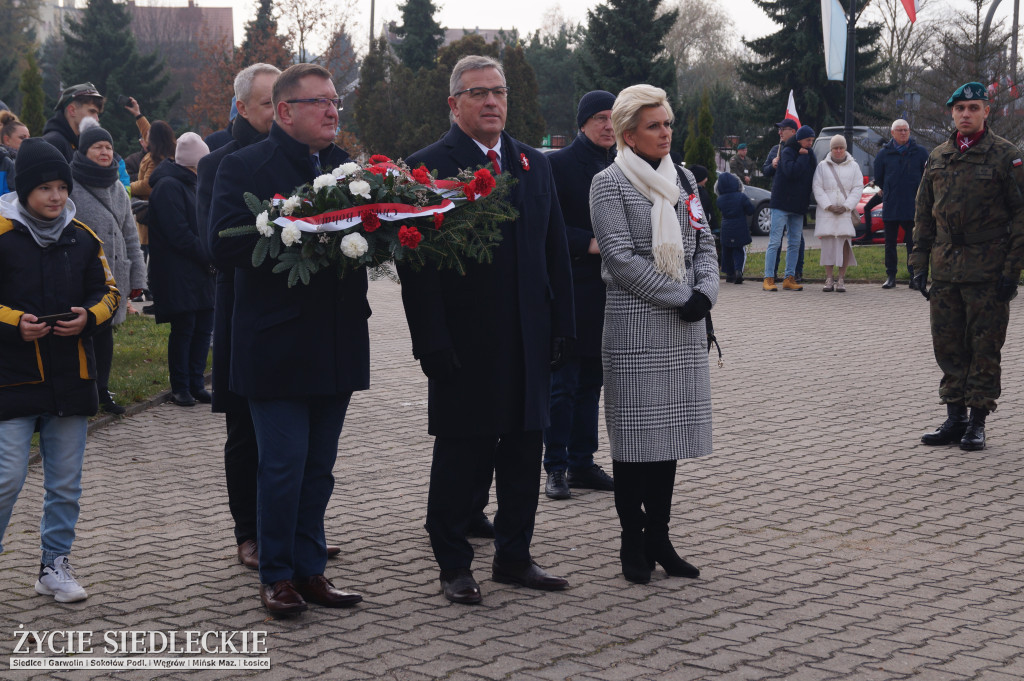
[{"x": 741, "y": 167}]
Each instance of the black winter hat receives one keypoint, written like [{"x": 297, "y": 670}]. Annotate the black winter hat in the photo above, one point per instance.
[
  {"x": 92, "y": 132},
  {"x": 592, "y": 103},
  {"x": 699, "y": 172},
  {"x": 38, "y": 162}
]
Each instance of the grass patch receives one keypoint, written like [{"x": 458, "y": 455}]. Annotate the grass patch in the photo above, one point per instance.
[{"x": 870, "y": 265}]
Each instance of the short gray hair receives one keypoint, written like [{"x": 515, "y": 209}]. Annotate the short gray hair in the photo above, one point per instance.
[
  {"x": 899, "y": 123},
  {"x": 245, "y": 78},
  {"x": 472, "y": 62},
  {"x": 628, "y": 105}
]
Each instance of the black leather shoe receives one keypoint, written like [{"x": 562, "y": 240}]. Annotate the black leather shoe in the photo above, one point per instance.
[
  {"x": 202, "y": 395},
  {"x": 557, "y": 487},
  {"x": 660, "y": 550},
  {"x": 913, "y": 284},
  {"x": 974, "y": 437},
  {"x": 281, "y": 598},
  {"x": 460, "y": 587},
  {"x": 591, "y": 478},
  {"x": 108, "y": 404},
  {"x": 890, "y": 282},
  {"x": 528, "y": 574},
  {"x": 248, "y": 554},
  {"x": 480, "y": 528},
  {"x": 952, "y": 429},
  {"x": 183, "y": 399},
  {"x": 318, "y": 589}
]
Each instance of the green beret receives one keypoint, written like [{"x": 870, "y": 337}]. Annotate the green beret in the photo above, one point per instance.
[{"x": 968, "y": 92}]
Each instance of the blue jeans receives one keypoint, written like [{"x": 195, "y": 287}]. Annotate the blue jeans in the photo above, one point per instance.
[
  {"x": 62, "y": 448},
  {"x": 571, "y": 439},
  {"x": 298, "y": 445},
  {"x": 188, "y": 347},
  {"x": 793, "y": 225}
]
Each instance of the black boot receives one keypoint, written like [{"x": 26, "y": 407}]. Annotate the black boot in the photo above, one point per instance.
[
  {"x": 910, "y": 270},
  {"x": 661, "y": 478},
  {"x": 629, "y": 486},
  {"x": 890, "y": 281},
  {"x": 952, "y": 429},
  {"x": 974, "y": 437}
]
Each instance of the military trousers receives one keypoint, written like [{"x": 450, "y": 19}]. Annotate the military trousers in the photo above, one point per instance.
[{"x": 968, "y": 330}]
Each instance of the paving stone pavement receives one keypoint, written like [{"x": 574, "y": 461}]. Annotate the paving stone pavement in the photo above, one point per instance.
[{"x": 832, "y": 544}]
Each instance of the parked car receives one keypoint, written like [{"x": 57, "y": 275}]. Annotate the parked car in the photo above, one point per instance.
[
  {"x": 761, "y": 221},
  {"x": 877, "y": 227}
]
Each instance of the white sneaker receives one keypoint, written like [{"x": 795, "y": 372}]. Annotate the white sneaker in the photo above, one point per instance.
[{"x": 58, "y": 580}]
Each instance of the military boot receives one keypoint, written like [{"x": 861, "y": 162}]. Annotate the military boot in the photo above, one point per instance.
[
  {"x": 974, "y": 436},
  {"x": 952, "y": 429}
]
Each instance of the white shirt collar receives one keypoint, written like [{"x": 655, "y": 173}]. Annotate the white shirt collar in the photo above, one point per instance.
[{"x": 496, "y": 148}]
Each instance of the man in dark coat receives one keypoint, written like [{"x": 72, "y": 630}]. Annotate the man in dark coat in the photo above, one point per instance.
[
  {"x": 787, "y": 129},
  {"x": 297, "y": 353},
  {"x": 487, "y": 341},
  {"x": 791, "y": 194},
  {"x": 75, "y": 103},
  {"x": 571, "y": 439},
  {"x": 899, "y": 167}
]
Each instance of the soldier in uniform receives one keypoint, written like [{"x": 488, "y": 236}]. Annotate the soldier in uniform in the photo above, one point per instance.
[
  {"x": 969, "y": 228},
  {"x": 741, "y": 166}
]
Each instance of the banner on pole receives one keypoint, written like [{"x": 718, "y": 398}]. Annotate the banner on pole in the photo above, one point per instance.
[{"x": 833, "y": 27}]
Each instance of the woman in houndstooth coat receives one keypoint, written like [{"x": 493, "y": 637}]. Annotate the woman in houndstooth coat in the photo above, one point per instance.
[{"x": 661, "y": 282}]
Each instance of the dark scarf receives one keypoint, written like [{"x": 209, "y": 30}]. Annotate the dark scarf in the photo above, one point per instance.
[
  {"x": 243, "y": 132},
  {"x": 92, "y": 174}
]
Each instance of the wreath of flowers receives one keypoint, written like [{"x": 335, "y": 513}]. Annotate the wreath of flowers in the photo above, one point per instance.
[{"x": 379, "y": 213}]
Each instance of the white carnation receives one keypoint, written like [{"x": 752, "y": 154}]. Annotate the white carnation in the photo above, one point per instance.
[
  {"x": 353, "y": 245},
  {"x": 325, "y": 180},
  {"x": 360, "y": 188},
  {"x": 291, "y": 235},
  {"x": 263, "y": 225},
  {"x": 290, "y": 204},
  {"x": 346, "y": 169}
]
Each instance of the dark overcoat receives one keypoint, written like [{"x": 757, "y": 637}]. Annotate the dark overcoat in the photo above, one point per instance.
[
  {"x": 286, "y": 343},
  {"x": 179, "y": 268},
  {"x": 243, "y": 135},
  {"x": 500, "y": 318},
  {"x": 574, "y": 168},
  {"x": 899, "y": 175},
  {"x": 791, "y": 188},
  {"x": 735, "y": 206}
]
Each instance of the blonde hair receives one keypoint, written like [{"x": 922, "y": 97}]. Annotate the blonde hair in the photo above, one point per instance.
[{"x": 628, "y": 105}]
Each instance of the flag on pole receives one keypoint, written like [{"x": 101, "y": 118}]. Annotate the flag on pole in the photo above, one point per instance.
[
  {"x": 833, "y": 27},
  {"x": 791, "y": 110},
  {"x": 911, "y": 6}
]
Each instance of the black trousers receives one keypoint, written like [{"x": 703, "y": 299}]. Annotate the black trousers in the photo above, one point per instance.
[
  {"x": 103, "y": 348},
  {"x": 241, "y": 462},
  {"x": 461, "y": 471},
  {"x": 892, "y": 232}
]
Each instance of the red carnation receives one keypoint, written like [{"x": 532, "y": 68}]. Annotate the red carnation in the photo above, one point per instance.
[
  {"x": 469, "y": 189},
  {"x": 409, "y": 236},
  {"x": 379, "y": 158},
  {"x": 484, "y": 181},
  {"x": 421, "y": 175},
  {"x": 370, "y": 221},
  {"x": 377, "y": 170},
  {"x": 438, "y": 220}
]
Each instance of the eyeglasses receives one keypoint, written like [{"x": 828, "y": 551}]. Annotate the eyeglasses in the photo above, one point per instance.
[
  {"x": 321, "y": 102},
  {"x": 601, "y": 119},
  {"x": 480, "y": 93}
]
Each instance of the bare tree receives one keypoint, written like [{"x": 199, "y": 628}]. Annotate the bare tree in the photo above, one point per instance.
[
  {"x": 903, "y": 46},
  {"x": 305, "y": 22},
  {"x": 703, "y": 44}
]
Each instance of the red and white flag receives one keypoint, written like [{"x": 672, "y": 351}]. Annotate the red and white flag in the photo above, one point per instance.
[
  {"x": 911, "y": 7},
  {"x": 791, "y": 110}
]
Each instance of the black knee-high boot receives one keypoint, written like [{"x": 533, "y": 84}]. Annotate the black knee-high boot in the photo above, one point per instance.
[
  {"x": 629, "y": 489},
  {"x": 660, "y": 482}
]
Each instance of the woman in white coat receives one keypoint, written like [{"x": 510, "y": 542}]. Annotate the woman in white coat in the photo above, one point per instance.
[{"x": 837, "y": 186}]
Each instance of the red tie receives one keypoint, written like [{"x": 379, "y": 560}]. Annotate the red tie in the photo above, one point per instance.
[{"x": 493, "y": 155}]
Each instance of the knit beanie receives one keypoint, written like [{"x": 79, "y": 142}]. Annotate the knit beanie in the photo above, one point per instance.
[
  {"x": 91, "y": 132},
  {"x": 699, "y": 173},
  {"x": 39, "y": 162},
  {"x": 190, "y": 149},
  {"x": 591, "y": 103},
  {"x": 804, "y": 132}
]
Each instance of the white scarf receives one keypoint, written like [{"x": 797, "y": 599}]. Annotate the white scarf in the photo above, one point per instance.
[{"x": 660, "y": 188}]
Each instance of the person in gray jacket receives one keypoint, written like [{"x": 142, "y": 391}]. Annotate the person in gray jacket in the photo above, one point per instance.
[{"x": 103, "y": 204}]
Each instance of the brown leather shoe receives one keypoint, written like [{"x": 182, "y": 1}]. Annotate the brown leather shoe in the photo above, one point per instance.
[
  {"x": 281, "y": 598},
  {"x": 248, "y": 555},
  {"x": 332, "y": 551},
  {"x": 460, "y": 587},
  {"x": 528, "y": 574},
  {"x": 318, "y": 589},
  {"x": 769, "y": 284}
]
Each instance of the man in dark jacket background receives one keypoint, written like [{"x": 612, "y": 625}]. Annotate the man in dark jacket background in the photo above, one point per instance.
[
  {"x": 75, "y": 103},
  {"x": 487, "y": 342},
  {"x": 571, "y": 439},
  {"x": 787, "y": 129},
  {"x": 899, "y": 167},
  {"x": 297, "y": 353},
  {"x": 791, "y": 194}
]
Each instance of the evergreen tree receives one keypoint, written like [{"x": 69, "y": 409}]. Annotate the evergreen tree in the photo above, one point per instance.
[
  {"x": 101, "y": 49},
  {"x": 17, "y": 35},
  {"x": 377, "y": 106},
  {"x": 421, "y": 35},
  {"x": 700, "y": 150},
  {"x": 625, "y": 45},
  {"x": 262, "y": 42},
  {"x": 793, "y": 58},
  {"x": 557, "y": 68},
  {"x": 524, "y": 121},
  {"x": 32, "y": 97}
]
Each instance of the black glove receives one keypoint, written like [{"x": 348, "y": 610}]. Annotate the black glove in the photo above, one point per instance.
[
  {"x": 921, "y": 281},
  {"x": 561, "y": 352},
  {"x": 696, "y": 308},
  {"x": 1006, "y": 290},
  {"x": 440, "y": 365}
]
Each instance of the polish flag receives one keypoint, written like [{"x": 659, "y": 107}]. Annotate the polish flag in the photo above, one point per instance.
[
  {"x": 911, "y": 7},
  {"x": 791, "y": 110}
]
